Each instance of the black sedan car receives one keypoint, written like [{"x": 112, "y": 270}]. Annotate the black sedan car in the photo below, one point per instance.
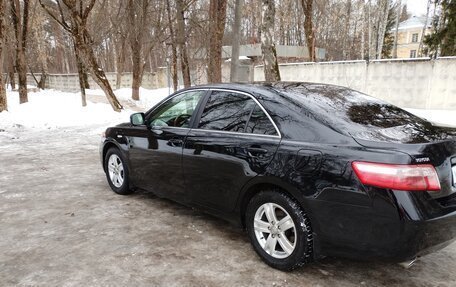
[{"x": 310, "y": 170}]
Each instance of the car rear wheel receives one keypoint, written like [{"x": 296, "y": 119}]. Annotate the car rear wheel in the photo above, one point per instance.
[
  {"x": 279, "y": 230},
  {"x": 117, "y": 172}
]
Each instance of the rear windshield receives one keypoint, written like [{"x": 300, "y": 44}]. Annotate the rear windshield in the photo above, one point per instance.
[{"x": 346, "y": 110}]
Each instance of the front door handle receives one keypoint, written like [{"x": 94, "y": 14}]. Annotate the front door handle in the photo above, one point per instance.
[{"x": 256, "y": 151}]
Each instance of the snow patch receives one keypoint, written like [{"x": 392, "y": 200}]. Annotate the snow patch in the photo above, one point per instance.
[
  {"x": 51, "y": 109},
  {"x": 147, "y": 98}
]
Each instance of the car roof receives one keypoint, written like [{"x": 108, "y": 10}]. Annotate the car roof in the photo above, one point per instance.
[{"x": 270, "y": 89}]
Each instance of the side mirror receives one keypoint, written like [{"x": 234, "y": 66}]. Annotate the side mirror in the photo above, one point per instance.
[{"x": 137, "y": 119}]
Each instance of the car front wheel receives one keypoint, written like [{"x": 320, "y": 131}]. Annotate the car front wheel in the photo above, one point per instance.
[
  {"x": 117, "y": 172},
  {"x": 279, "y": 230}
]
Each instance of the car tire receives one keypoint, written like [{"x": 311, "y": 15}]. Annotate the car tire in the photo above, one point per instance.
[
  {"x": 286, "y": 242},
  {"x": 117, "y": 172}
]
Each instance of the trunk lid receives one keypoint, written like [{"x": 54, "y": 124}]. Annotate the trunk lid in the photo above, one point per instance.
[{"x": 424, "y": 144}]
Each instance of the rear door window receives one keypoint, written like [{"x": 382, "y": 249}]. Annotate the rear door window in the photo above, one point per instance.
[
  {"x": 259, "y": 123},
  {"x": 226, "y": 111}
]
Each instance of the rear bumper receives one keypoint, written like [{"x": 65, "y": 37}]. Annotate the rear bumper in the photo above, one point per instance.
[
  {"x": 423, "y": 237},
  {"x": 397, "y": 227}
]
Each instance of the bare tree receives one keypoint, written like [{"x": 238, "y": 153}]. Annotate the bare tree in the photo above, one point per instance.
[
  {"x": 19, "y": 15},
  {"x": 271, "y": 67},
  {"x": 182, "y": 42},
  {"x": 72, "y": 15},
  {"x": 236, "y": 41},
  {"x": 3, "y": 99},
  {"x": 217, "y": 18}
]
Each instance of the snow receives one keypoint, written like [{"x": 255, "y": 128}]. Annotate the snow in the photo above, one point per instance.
[
  {"x": 242, "y": 58},
  {"x": 50, "y": 109},
  {"x": 147, "y": 98},
  {"x": 413, "y": 22},
  {"x": 402, "y": 59}
]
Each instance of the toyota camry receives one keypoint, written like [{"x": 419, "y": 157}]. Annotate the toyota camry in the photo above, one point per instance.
[{"x": 309, "y": 170}]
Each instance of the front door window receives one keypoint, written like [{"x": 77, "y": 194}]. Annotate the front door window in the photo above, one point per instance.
[{"x": 177, "y": 111}]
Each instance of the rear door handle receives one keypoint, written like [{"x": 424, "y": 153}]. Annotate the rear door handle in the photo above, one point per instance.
[
  {"x": 256, "y": 151},
  {"x": 175, "y": 142}
]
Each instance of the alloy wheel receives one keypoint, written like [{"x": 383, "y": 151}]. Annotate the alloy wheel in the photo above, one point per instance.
[
  {"x": 275, "y": 230},
  {"x": 116, "y": 170}
]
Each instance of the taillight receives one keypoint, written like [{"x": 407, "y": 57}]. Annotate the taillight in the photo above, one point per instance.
[{"x": 397, "y": 176}]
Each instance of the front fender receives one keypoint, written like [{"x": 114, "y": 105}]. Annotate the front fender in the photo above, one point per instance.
[{"x": 121, "y": 144}]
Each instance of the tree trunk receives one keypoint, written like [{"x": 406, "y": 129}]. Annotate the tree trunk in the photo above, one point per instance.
[
  {"x": 370, "y": 36},
  {"x": 137, "y": 70},
  {"x": 307, "y": 6},
  {"x": 137, "y": 21},
  {"x": 174, "y": 68},
  {"x": 20, "y": 23},
  {"x": 88, "y": 58},
  {"x": 363, "y": 36},
  {"x": 39, "y": 36},
  {"x": 173, "y": 47},
  {"x": 382, "y": 27},
  {"x": 217, "y": 17},
  {"x": 120, "y": 61},
  {"x": 420, "y": 46},
  {"x": 346, "y": 42},
  {"x": 22, "y": 75},
  {"x": 11, "y": 74},
  {"x": 3, "y": 99},
  {"x": 396, "y": 30},
  {"x": 234, "y": 77},
  {"x": 81, "y": 76},
  {"x": 42, "y": 81},
  {"x": 271, "y": 67},
  {"x": 182, "y": 43}
]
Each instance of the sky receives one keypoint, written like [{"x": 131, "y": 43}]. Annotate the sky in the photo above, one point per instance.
[{"x": 416, "y": 7}]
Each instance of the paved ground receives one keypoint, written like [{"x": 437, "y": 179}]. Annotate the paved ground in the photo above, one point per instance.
[{"x": 60, "y": 225}]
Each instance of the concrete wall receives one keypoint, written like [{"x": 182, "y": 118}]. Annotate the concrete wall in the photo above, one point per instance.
[
  {"x": 70, "y": 82},
  {"x": 417, "y": 83},
  {"x": 409, "y": 83}
]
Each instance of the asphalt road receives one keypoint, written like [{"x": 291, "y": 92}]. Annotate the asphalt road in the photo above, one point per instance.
[{"x": 60, "y": 225}]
